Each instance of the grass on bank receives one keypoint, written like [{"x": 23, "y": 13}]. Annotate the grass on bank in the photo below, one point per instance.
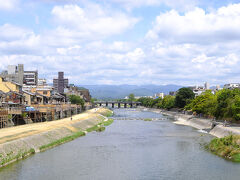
[
  {"x": 62, "y": 140},
  {"x": 108, "y": 122},
  {"x": 11, "y": 157},
  {"x": 101, "y": 126},
  {"x": 148, "y": 119},
  {"x": 107, "y": 113},
  {"x": 227, "y": 147},
  {"x": 98, "y": 128}
]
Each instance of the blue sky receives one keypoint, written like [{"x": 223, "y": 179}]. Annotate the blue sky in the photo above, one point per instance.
[{"x": 183, "y": 42}]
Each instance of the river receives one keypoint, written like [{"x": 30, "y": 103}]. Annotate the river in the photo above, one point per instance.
[{"x": 129, "y": 150}]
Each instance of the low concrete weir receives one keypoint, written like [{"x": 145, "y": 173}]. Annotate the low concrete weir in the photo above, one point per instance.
[{"x": 137, "y": 118}]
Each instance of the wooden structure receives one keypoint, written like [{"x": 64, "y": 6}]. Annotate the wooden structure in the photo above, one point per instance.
[{"x": 3, "y": 118}]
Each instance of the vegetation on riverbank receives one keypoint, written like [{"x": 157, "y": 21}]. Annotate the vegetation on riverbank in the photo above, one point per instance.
[
  {"x": 11, "y": 157},
  {"x": 167, "y": 102},
  {"x": 223, "y": 104},
  {"x": 227, "y": 147},
  {"x": 106, "y": 112},
  {"x": 108, "y": 122},
  {"x": 98, "y": 128},
  {"x": 76, "y": 100},
  {"x": 15, "y": 150},
  {"x": 148, "y": 119},
  {"x": 62, "y": 140},
  {"x": 101, "y": 126}
]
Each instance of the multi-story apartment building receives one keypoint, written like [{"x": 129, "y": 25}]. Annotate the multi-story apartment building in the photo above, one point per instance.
[
  {"x": 14, "y": 73},
  {"x": 42, "y": 82},
  {"x": 30, "y": 78},
  {"x": 60, "y": 83},
  {"x": 18, "y": 75}
]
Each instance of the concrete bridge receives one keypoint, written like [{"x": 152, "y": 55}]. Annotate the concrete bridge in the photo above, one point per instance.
[{"x": 118, "y": 104}]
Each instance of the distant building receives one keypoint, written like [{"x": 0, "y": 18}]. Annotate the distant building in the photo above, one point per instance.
[
  {"x": 18, "y": 75},
  {"x": 231, "y": 86},
  {"x": 206, "y": 85},
  {"x": 218, "y": 87},
  {"x": 42, "y": 82},
  {"x": 14, "y": 74},
  {"x": 198, "y": 90},
  {"x": 60, "y": 83},
  {"x": 159, "y": 95},
  {"x": 30, "y": 78}
]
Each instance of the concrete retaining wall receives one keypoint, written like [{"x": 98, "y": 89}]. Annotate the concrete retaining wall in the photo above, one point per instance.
[
  {"x": 222, "y": 131},
  {"x": 9, "y": 150}
]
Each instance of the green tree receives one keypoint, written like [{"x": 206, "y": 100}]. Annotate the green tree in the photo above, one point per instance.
[
  {"x": 168, "y": 102},
  {"x": 131, "y": 97},
  {"x": 93, "y": 100},
  {"x": 235, "y": 108},
  {"x": 226, "y": 99},
  {"x": 205, "y": 104},
  {"x": 183, "y": 97},
  {"x": 76, "y": 100}
]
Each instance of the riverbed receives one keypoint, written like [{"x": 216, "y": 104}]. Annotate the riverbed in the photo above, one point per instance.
[{"x": 129, "y": 150}]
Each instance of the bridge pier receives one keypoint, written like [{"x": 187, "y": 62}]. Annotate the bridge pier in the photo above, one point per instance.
[
  {"x": 100, "y": 104},
  {"x": 119, "y": 105},
  {"x": 131, "y": 105},
  {"x": 125, "y": 105},
  {"x": 106, "y": 104},
  {"x": 112, "y": 105}
]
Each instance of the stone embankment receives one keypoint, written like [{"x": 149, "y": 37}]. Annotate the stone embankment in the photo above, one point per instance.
[
  {"x": 21, "y": 141},
  {"x": 213, "y": 128}
]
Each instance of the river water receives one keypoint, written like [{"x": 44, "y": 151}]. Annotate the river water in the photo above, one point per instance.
[{"x": 129, "y": 150}]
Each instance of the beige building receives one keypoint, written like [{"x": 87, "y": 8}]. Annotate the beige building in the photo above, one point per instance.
[{"x": 6, "y": 86}]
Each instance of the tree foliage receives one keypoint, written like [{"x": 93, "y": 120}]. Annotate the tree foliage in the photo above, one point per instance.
[
  {"x": 203, "y": 104},
  {"x": 183, "y": 97},
  {"x": 167, "y": 102},
  {"x": 223, "y": 104},
  {"x": 76, "y": 100},
  {"x": 131, "y": 97}
]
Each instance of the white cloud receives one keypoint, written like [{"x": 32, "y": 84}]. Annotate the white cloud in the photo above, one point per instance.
[
  {"x": 198, "y": 26},
  {"x": 181, "y": 48},
  {"x": 93, "y": 21},
  {"x": 8, "y": 4},
  {"x": 17, "y": 40}
]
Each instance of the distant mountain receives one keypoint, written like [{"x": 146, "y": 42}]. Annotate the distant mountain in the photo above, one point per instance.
[{"x": 106, "y": 92}]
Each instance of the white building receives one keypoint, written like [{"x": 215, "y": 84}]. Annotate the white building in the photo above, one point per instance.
[
  {"x": 159, "y": 95},
  {"x": 207, "y": 85},
  {"x": 42, "y": 82},
  {"x": 231, "y": 86}
]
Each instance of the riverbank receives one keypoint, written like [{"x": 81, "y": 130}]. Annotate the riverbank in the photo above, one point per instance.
[
  {"x": 213, "y": 128},
  {"x": 227, "y": 141},
  {"x": 21, "y": 141}
]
